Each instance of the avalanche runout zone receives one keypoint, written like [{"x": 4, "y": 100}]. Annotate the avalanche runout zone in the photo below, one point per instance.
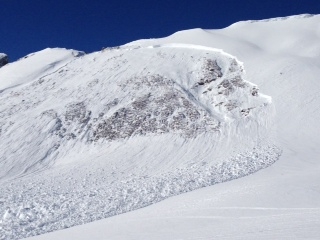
[
  {"x": 37, "y": 209},
  {"x": 184, "y": 91}
]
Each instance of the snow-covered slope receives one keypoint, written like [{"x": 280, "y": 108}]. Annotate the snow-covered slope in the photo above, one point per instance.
[
  {"x": 114, "y": 94},
  {"x": 281, "y": 202},
  {"x": 120, "y": 129},
  {"x": 34, "y": 66},
  {"x": 124, "y": 128}
]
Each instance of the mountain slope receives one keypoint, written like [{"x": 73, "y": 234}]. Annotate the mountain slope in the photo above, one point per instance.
[
  {"x": 133, "y": 125},
  {"x": 281, "y": 202},
  {"x": 159, "y": 94},
  {"x": 228, "y": 131}
]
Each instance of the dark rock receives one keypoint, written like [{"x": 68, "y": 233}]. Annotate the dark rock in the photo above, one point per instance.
[
  {"x": 3, "y": 59},
  {"x": 254, "y": 91},
  {"x": 211, "y": 71}
]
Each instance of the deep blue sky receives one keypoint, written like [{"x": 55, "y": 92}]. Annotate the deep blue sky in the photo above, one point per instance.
[{"x": 30, "y": 25}]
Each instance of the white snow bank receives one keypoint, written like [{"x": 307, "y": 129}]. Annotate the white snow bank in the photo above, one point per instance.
[
  {"x": 300, "y": 16},
  {"x": 294, "y": 35},
  {"x": 195, "y": 47}
]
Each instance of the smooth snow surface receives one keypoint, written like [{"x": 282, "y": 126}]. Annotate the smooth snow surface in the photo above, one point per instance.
[
  {"x": 197, "y": 120},
  {"x": 34, "y": 66}
]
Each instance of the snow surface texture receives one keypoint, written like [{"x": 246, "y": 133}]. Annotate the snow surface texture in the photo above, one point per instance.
[
  {"x": 282, "y": 56},
  {"x": 90, "y": 136},
  {"x": 94, "y": 198}
]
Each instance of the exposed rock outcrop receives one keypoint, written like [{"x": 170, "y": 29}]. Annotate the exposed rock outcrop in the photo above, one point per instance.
[{"x": 3, "y": 59}]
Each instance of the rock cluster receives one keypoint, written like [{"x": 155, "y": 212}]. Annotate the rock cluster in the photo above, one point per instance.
[{"x": 161, "y": 109}]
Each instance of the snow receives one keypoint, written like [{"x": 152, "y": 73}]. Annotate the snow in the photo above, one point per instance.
[
  {"x": 83, "y": 178},
  {"x": 163, "y": 126},
  {"x": 35, "y": 66}
]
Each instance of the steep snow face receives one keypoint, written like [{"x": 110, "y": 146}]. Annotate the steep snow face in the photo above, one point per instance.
[
  {"x": 134, "y": 123},
  {"x": 35, "y": 65},
  {"x": 3, "y": 59},
  {"x": 115, "y": 95}
]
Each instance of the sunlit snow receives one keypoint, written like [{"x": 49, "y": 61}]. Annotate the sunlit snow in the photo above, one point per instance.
[{"x": 85, "y": 137}]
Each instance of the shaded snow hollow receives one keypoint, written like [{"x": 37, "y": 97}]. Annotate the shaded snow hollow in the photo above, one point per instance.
[{"x": 90, "y": 136}]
